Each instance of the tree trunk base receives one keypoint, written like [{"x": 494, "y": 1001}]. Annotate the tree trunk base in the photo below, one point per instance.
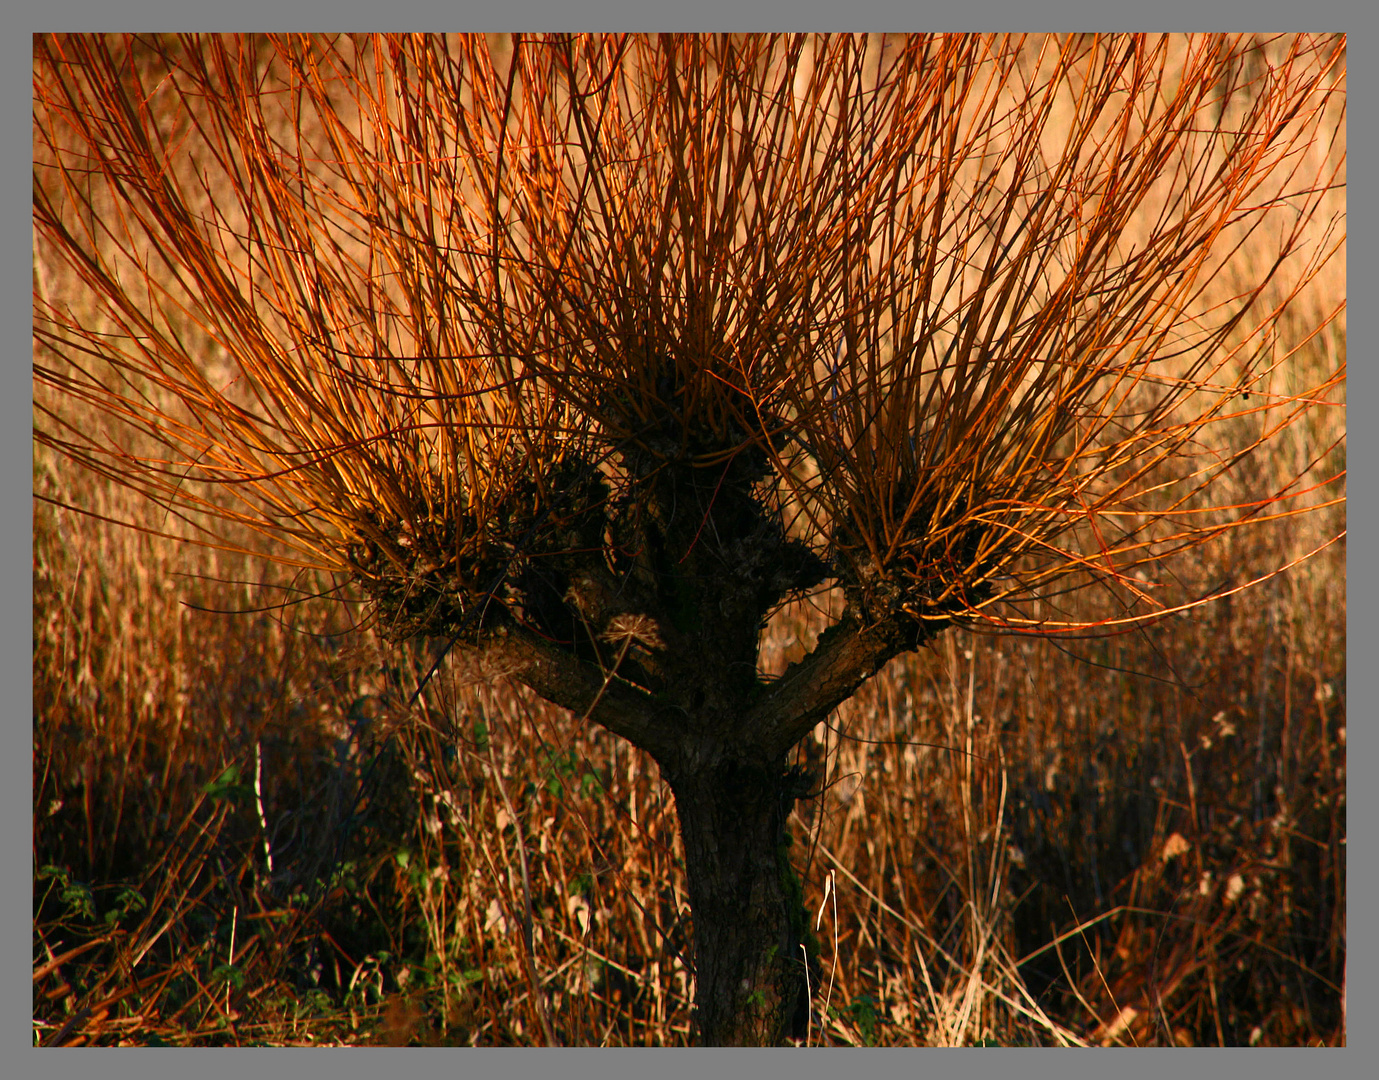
[{"x": 749, "y": 920}]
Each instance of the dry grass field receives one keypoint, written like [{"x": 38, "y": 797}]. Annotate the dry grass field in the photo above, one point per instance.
[{"x": 249, "y": 830}]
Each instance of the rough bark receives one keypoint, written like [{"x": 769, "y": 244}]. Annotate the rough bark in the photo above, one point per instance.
[
  {"x": 748, "y": 920},
  {"x": 846, "y": 655},
  {"x": 585, "y": 690},
  {"x": 722, "y": 745}
]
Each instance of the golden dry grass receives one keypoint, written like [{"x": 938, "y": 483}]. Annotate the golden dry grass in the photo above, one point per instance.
[{"x": 1163, "y": 834}]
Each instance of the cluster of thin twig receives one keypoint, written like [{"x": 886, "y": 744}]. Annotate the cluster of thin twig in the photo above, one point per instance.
[{"x": 971, "y": 294}]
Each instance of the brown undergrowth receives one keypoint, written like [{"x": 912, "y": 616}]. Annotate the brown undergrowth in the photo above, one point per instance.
[{"x": 244, "y": 834}]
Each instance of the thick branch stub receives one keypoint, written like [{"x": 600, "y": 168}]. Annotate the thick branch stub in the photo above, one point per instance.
[
  {"x": 846, "y": 655},
  {"x": 574, "y": 684}
]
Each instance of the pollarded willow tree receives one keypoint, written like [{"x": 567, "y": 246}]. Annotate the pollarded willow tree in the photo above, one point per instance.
[{"x": 586, "y": 354}]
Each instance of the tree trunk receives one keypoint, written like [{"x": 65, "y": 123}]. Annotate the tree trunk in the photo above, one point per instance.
[{"x": 749, "y": 920}]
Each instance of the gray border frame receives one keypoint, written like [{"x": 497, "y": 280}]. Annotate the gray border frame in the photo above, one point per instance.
[{"x": 17, "y": 543}]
